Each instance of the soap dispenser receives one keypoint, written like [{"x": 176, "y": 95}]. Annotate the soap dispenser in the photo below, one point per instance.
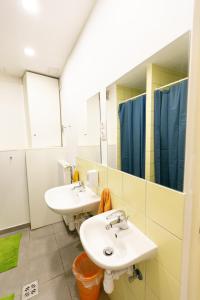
[{"x": 93, "y": 179}]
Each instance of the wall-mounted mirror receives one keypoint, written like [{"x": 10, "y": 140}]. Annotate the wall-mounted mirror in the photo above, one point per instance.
[
  {"x": 126, "y": 101},
  {"x": 146, "y": 117},
  {"x": 89, "y": 141}
]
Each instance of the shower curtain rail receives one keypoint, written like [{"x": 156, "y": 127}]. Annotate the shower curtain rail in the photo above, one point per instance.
[
  {"x": 170, "y": 84},
  {"x": 132, "y": 98}
]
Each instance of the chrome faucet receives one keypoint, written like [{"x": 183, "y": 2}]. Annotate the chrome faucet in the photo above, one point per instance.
[
  {"x": 80, "y": 186},
  {"x": 117, "y": 219}
]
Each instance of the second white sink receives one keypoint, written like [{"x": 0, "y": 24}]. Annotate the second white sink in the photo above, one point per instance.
[{"x": 66, "y": 200}]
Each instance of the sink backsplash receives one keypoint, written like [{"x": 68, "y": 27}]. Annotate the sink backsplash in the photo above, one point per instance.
[{"x": 158, "y": 212}]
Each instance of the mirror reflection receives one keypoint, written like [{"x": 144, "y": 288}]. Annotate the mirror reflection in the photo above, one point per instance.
[
  {"x": 126, "y": 136},
  {"x": 170, "y": 104},
  {"x": 146, "y": 117},
  {"x": 89, "y": 143}
]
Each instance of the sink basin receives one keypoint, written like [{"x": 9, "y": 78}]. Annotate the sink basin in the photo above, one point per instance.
[
  {"x": 130, "y": 246},
  {"x": 66, "y": 200}
]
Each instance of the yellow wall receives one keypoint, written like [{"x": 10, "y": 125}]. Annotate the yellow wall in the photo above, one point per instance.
[
  {"x": 156, "y": 77},
  {"x": 192, "y": 166},
  {"x": 123, "y": 93},
  {"x": 158, "y": 212}
]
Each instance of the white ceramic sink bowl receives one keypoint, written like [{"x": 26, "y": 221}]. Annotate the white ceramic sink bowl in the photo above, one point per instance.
[
  {"x": 66, "y": 200},
  {"x": 130, "y": 247}
]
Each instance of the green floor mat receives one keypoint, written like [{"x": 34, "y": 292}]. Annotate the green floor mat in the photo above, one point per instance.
[
  {"x": 11, "y": 297},
  {"x": 9, "y": 250}
]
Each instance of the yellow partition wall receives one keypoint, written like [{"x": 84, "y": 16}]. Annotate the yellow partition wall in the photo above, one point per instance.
[
  {"x": 159, "y": 213},
  {"x": 156, "y": 76}
]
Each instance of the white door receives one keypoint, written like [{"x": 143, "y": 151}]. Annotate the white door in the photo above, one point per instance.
[{"x": 43, "y": 110}]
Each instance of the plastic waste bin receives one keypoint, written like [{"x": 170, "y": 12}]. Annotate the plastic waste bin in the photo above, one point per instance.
[{"x": 88, "y": 277}]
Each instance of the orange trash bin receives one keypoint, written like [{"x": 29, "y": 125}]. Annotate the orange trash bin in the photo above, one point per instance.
[{"x": 88, "y": 277}]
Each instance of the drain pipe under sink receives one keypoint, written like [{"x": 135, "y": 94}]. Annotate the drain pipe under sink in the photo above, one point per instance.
[
  {"x": 110, "y": 276},
  {"x": 108, "y": 283}
]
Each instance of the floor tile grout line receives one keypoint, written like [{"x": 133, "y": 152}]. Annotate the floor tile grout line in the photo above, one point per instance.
[
  {"x": 60, "y": 231},
  {"x": 56, "y": 241},
  {"x": 40, "y": 257},
  {"x": 45, "y": 254},
  {"x": 74, "y": 240},
  {"x": 41, "y": 237},
  {"x": 61, "y": 260},
  {"x": 59, "y": 275},
  {"x": 40, "y": 283},
  {"x": 53, "y": 278},
  {"x": 70, "y": 292}
]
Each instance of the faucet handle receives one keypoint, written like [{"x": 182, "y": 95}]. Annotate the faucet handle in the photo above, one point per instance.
[
  {"x": 117, "y": 218},
  {"x": 82, "y": 183},
  {"x": 117, "y": 214}
]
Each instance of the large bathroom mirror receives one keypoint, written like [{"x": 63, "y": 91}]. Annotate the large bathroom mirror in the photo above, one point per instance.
[
  {"x": 126, "y": 119},
  {"x": 89, "y": 141},
  {"x": 146, "y": 117}
]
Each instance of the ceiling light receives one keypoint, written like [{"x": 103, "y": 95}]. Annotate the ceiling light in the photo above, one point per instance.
[
  {"x": 31, "y": 6},
  {"x": 29, "y": 51}
]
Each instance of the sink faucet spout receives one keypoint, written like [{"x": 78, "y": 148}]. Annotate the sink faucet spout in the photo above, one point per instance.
[{"x": 117, "y": 219}]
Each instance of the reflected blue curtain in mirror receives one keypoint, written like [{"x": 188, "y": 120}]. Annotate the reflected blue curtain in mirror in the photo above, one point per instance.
[
  {"x": 132, "y": 132},
  {"x": 170, "y": 108}
]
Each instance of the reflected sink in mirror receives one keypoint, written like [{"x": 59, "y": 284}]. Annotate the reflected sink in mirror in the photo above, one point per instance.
[
  {"x": 114, "y": 249},
  {"x": 71, "y": 199}
]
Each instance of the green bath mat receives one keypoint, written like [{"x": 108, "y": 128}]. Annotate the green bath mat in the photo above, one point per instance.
[
  {"x": 9, "y": 250},
  {"x": 11, "y": 297}
]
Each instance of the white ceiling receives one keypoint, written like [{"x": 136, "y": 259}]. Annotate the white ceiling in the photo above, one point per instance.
[
  {"x": 174, "y": 56},
  {"x": 52, "y": 33}
]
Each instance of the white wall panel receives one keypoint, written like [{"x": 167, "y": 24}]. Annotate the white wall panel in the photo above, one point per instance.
[
  {"x": 14, "y": 208},
  {"x": 43, "y": 110},
  {"x": 12, "y": 114},
  {"x": 43, "y": 174}
]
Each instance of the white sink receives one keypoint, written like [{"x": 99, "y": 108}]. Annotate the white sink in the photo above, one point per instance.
[
  {"x": 130, "y": 246},
  {"x": 66, "y": 200}
]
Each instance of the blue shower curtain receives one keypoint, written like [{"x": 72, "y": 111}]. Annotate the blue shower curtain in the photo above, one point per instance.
[
  {"x": 132, "y": 132},
  {"x": 169, "y": 135}
]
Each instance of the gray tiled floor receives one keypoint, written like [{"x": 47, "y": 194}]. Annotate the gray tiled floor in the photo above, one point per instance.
[{"x": 46, "y": 255}]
